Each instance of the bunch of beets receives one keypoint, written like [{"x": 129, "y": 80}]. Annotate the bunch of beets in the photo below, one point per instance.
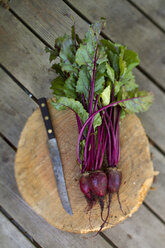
[{"x": 95, "y": 80}]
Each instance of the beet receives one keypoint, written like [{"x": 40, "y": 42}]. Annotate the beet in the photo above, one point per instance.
[
  {"x": 85, "y": 188},
  {"x": 98, "y": 186},
  {"x": 98, "y": 183},
  {"x": 84, "y": 185},
  {"x": 114, "y": 177}
]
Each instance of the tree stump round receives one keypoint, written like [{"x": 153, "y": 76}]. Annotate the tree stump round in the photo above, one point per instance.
[{"x": 37, "y": 184}]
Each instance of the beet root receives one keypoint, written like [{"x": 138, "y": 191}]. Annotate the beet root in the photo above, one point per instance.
[
  {"x": 105, "y": 221},
  {"x": 84, "y": 185},
  {"x": 98, "y": 183},
  {"x": 85, "y": 188},
  {"x": 98, "y": 186},
  {"x": 114, "y": 177},
  {"x": 94, "y": 187}
]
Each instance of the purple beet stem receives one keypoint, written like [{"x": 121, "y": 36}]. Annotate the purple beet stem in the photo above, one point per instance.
[
  {"x": 93, "y": 85},
  {"x": 90, "y": 140},
  {"x": 92, "y": 117},
  {"x": 79, "y": 123},
  {"x": 88, "y": 135}
]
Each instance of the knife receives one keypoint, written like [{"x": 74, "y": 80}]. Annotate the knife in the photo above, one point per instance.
[{"x": 55, "y": 156}]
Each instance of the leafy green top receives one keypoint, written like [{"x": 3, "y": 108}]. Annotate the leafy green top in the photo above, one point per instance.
[{"x": 113, "y": 73}]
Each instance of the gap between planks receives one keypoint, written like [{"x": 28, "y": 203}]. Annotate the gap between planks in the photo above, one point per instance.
[
  {"x": 108, "y": 240},
  {"x": 19, "y": 227},
  {"x": 31, "y": 29},
  {"x": 8, "y": 142},
  {"x": 18, "y": 83},
  {"x": 152, "y": 142},
  {"x": 146, "y": 15},
  {"x": 142, "y": 70},
  {"x": 154, "y": 213}
]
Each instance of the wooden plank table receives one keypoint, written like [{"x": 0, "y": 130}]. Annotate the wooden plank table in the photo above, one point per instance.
[
  {"x": 10, "y": 236},
  {"x": 25, "y": 29},
  {"x": 154, "y": 10}
]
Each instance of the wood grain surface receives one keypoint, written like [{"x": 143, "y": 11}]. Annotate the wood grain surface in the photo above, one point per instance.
[
  {"x": 132, "y": 233},
  {"x": 124, "y": 234},
  {"x": 156, "y": 197},
  {"x": 154, "y": 9},
  {"x": 44, "y": 234},
  {"x": 126, "y": 25},
  {"x": 36, "y": 226},
  {"x": 13, "y": 108},
  {"x": 33, "y": 66},
  {"x": 35, "y": 178},
  {"x": 10, "y": 236},
  {"x": 23, "y": 55}
]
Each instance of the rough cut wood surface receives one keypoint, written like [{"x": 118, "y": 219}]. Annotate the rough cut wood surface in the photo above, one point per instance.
[{"x": 36, "y": 181}]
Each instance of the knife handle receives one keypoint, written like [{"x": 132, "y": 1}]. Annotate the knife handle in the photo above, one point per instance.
[{"x": 46, "y": 117}]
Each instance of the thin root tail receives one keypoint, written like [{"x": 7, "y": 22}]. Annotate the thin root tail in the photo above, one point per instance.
[
  {"x": 118, "y": 198},
  {"x": 105, "y": 221},
  {"x": 101, "y": 202}
]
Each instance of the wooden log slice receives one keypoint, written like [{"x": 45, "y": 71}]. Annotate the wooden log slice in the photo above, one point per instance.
[{"x": 36, "y": 181}]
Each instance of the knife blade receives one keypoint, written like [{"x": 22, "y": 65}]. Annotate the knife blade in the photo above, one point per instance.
[{"x": 55, "y": 156}]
